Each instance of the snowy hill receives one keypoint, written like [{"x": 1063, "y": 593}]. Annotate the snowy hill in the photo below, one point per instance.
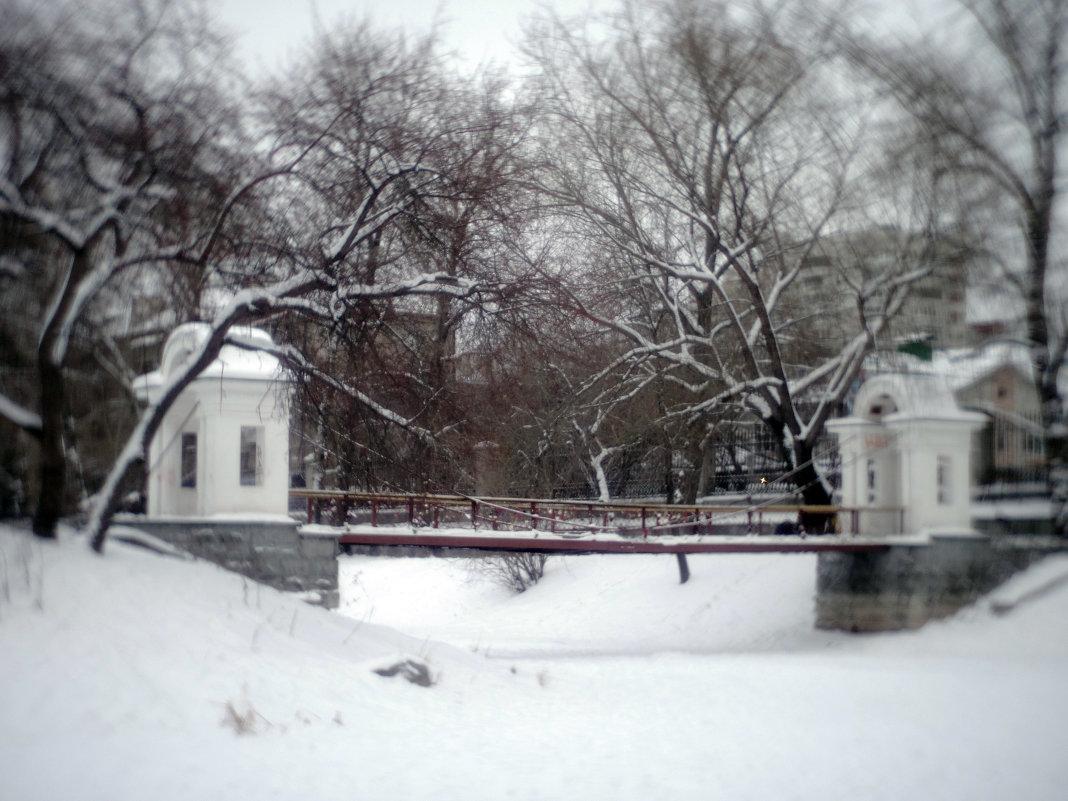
[{"x": 144, "y": 676}]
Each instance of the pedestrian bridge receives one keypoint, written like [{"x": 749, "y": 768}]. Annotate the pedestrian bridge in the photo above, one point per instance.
[
  {"x": 524, "y": 524},
  {"x": 862, "y": 582}
]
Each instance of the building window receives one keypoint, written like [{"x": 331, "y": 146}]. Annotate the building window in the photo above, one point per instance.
[
  {"x": 189, "y": 460},
  {"x": 251, "y": 456},
  {"x": 871, "y": 481},
  {"x": 945, "y": 495}
]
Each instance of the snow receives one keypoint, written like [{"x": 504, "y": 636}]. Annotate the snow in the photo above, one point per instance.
[
  {"x": 1011, "y": 509},
  {"x": 218, "y": 517},
  {"x": 608, "y": 680},
  {"x": 965, "y": 366},
  {"x": 233, "y": 362},
  {"x": 915, "y": 396}
]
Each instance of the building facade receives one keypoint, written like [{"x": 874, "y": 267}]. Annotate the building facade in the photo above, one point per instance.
[
  {"x": 223, "y": 447},
  {"x": 934, "y": 311}
]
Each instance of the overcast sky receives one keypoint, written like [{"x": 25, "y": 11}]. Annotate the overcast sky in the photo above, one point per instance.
[{"x": 270, "y": 30}]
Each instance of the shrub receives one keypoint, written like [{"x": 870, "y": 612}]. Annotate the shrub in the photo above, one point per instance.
[{"x": 517, "y": 571}]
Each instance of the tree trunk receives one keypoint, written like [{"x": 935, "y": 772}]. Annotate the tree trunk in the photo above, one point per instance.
[
  {"x": 812, "y": 490},
  {"x": 1047, "y": 369},
  {"x": 51, "y": 499},
  {"x": 690, "y": 479},
  {"x": 707, "y": 472},
  {"x": 670, "y": 486},
  {"x": 1055, "y": 428},
  {"x": 669, "y": 478},
  {"x": 108, "y": 499},
  {"x": 1057, "y": 448}
]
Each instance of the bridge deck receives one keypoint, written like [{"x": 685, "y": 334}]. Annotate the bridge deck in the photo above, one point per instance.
[
  {"x": 602, "y": 543},
  {"x": 753, "y": 515}
]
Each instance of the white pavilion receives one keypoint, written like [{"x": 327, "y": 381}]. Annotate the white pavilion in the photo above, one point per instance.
[{"x": 223, "y": 447}]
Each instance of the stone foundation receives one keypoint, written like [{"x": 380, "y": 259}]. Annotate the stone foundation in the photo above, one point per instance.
[
  {"x": 919, "y": 580},
  {"x": 274, "y": 553}
]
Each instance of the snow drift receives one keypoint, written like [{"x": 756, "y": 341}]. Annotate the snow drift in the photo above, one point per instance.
[{"x": 141, "y": 675}]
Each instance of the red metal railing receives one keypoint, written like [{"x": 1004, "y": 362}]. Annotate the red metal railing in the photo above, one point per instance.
[{"x": 336, "y": 507}]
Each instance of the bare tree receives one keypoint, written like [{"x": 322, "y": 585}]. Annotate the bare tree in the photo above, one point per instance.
[
  {"x": 112, "y": 137},
  {"x": 462, "y": 222},
  {"x": 989, "y": 102},
  {"x": 522, "y": 375},
  {"x": 696, "y": 153},
  {"x": 114, "y": 162}
]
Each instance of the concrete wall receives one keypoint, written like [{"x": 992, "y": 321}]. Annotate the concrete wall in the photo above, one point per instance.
[
  {"x": 274, "y": 553},
  {"x": 909, "y": 584}
]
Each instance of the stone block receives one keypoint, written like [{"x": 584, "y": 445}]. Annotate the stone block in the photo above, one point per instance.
[
  {"x": 318, "y": 547},
  {"x": 907, "y": 585},
  {"x": 275, "y": 534},
  {"x": 270, "y": 553}
]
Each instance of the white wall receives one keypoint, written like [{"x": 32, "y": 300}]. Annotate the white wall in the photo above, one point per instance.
[
  {"x": 228, "y": 405},
  {"x": 860, "y": 441},
  {"x": 165, "y": 495},
  {"x": 906, "y": 447},
  {"x": 240, "y": 389},
  {"x": 924, "y": 443}
]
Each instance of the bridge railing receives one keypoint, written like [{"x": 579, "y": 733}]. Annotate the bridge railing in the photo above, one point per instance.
[{"x": 337, "y": 507}]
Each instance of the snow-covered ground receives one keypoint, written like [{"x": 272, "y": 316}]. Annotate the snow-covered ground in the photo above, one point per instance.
[{"x": 132, "y": 676}]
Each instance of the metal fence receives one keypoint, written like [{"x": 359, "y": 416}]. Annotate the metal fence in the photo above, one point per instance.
[{"x": 337, "y": 508}]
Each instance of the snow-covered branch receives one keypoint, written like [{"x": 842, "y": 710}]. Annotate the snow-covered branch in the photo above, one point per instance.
[
  {"x": 24, "y": 418},
  {"x": 296, "y": 361}
]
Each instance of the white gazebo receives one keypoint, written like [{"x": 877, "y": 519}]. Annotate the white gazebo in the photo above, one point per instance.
[
  {"x": 223, "y": 447},
  {"x": 905, "y": 455}
]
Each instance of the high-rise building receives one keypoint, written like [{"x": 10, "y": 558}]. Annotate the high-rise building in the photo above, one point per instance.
[{"x": 837, "y": 268}]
